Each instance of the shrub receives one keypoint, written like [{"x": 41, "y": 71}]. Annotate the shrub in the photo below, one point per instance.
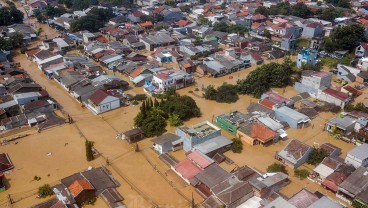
[
  {"x": 301, "y": 173},
  {"x": 135, "y": 102},
  {"x": 140, "y": 97},
  {"x": 174, "y": 120},
  {"x": 36, "y": 178},
  {"x": 277, "y": 167},
  {"x": 90, "y": 201},
  {"x": 45, "y": 190},
  {"x": 317, "y": 156},
  {"x": 89, "y": 150},
  {"x": 237, "y": 146}
]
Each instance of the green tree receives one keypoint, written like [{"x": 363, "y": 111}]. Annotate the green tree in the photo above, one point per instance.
[
  {"x": 89, "y": 150},
  {"x": 203, "y": 20},
  {"x": 156, "y": 103},
  {"x": 301, "y": 173},
  {"x": 183, "y": 106},
  {"x": 301, "y": 10},
  {"x": 329, "y": 14},
  {"x": 277, "y": 167},
  {"x": 175, "y": 120},
  {"x": 311, "y": 67},
  {"x": 94, "y": 20},
  {"x": 348, "y": 37},
  {"x": 210, "y": 93},
  {"x": 237, "y": 145},
  {"x": 10, "y": 15},
  {"x": 45, "y": 190},
  {"x": 227, "y": 93},
  {"x": 317, "y": 156},
  {"x": 154, "y": 124}
]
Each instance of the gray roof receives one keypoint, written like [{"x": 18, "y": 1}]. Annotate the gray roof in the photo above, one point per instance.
[
  {"x": 213, "y": 144},
  {"x": 213, "y": 175},
  {"x": 325, "y": 202},
  {"x": 294, "y": 151},
  {"x": 166, "y": 138},
  {"x": 279, "y": 202},
  {"x": 360, "y": 152},
  {"x": 356, "y": 182},
  {"x": 262, "y": 183},
  {"x": 292, "y": 113}
]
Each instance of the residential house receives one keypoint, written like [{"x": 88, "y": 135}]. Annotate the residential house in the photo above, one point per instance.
[
  {"x": 172, "y": 15},
  {"x": 292, "y": 117},
  {"x": 303, "y": 199},
  {"x": 276, "y": 98},
  {"x": 355, "y": 184},
  {"x": 231, "y": 122},
  {"x": 307, "y": 56},
  {"x": 6, "y": 164},
  {"x": 331, "y": 149},
  {"x": 197, "y": 134},
  {"x": 361, "y": 50},
  {"x": 345, "y": 125},
  {"x": 164, "y": 80},
  {"x": 294, "y": 154},
  {"x": 167, "y": 142},
  {"x": 268, "y": 184},
  {"x": 257, "y": 133},
  {"x": 358, "y": 156},
  {"x": 334, "y": 97},
  {"x": 333, "y": 181},
  {"x": 347, "y": 73},
  {"x": 362, "y": 77},
  {"x": 101, "y": 101},
  {"x": 254, "y": 58},
  {"x": 201, "y": 31},
  {"x": 159, "y": 39},
  {"x": 216, "y": 145},
  {"x": 327, "y": 167},
  {"x": 133, "y": 135},
  {"x": 312, "y": 30},
  {"x": 313, "y": 81},
  {"x": 288, "y": 41}
]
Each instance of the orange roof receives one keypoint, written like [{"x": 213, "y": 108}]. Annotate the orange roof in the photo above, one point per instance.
[
  {"x": 256, "y": 24},
  {"x": 364, "y": 22},
  {"x": 187, "y": 65},
  {"x": 267, "y": 103},
  {"x": 262, "y": 132},
  {"x": 182, "y": 23},
  {"x": 146, "y": 24},
  {"x": 136, "y": 72},
  {"x": 78, "y": 186},
  {"x": 31, "y": 52},
  {"x": 242, "y": 14},
  {"x": 102, "y": 39}
]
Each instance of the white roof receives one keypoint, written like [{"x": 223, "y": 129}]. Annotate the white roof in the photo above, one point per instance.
[
  {"x": 60, "y": 42},
  {"x": 112, "y": 59},
  {"x": 52, "y": 58},
  {"x": 323, "y": 170}
]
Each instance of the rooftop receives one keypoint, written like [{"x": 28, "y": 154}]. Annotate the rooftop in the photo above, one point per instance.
[
  {"x": 200, "y": 130},
  {"x": 235, "y": 117},
  {"x": 303, "y": 199},
  {"x": 213, "y": 144},
  {"x": 360, "y": 152}
]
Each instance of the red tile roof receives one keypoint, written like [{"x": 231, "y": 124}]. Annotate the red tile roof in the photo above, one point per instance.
[
  {"x": 136, "y": 72},
  {"x": 258, "y": 17},
  {"x": 200, "y": 159},
  {"x": 334, "y": 93},
  {"x": 78, "y": 186},
  {"x": 267, "y": 103},
  {"x": 187, "y": 169},
  {"x": 137, "y": 14},
  {"x": 146, "y": 24},
  {"x": 182, "y": 23},
  {"x": 102, "y": 39},
  {"x": 262, "y": 133},
  {"x": 314, "y": 25},
  {"x": 98, "y": 97},
  {"x": 364, "y": 45}
]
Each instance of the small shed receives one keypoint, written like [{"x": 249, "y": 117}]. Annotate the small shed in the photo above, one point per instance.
[
  {"x": 167, "y": 143},
  {"x": 133, "y": 135}
]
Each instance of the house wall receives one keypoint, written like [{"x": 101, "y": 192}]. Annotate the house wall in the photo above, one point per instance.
[
  {"x": 309, "y": 32},
  {"x": 360, "y": 52},
  {"x": 330, "y": 99},
  {"x": 283, "y": 117},
  {"x": 304, "y": 158},
  {"x": 220, "y": 122},
  {"x": 312, "y": 59},
  {"x": 287, "y": 44},
  {"x": 108, "y": 104},
  {"x": 356, "y": 162},
  {"x": 245, "y": 138},
  {"x": 190, "y": 141}
]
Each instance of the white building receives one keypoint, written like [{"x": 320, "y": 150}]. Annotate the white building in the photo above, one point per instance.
[
  {"x": 101, "y": 102},
  {"x": 358, "y": 156}
]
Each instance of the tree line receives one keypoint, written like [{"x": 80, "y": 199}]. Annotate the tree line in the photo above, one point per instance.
[
  {"x": 301, "y": 10},
  {"x": 95, "y": 19},
  {"x": 10, "y": 15}
]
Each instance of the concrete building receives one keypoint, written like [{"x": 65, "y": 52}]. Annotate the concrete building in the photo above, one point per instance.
[
  {"x": 294, "y": 154},
  {"x": 101, "y": 101},
  {"x": 358, "y": 156},
  {"x": 292, "y": 117},
  {"x": 307, "y": 56},
  {"x": 313, "y": 81},
  {"x": 167, "y": 143},
  {"x": 197, "y": 134}
]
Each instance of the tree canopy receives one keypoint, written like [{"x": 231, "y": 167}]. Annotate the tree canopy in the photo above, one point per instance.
[
  {"x": 223, "y": 27},
  {"x": 10, "y": 15},
  {"x": 284, "y": 8},
  {"x": 329, "y": 14},
  {"x": 95, "y": 20},
  {"x": 317, "y": 156},
  {"x": 265, "y": 77},
  {"x": 276, "y": 167},
  {"x": 339, "y": 3},
  {"x": 226, "y": 93},
  {"x": 13, "y": 42},
  {"x": 348, "y": 37},
  {"x": 237, "y": 146},
  {"x": 78, "y": 4}
]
